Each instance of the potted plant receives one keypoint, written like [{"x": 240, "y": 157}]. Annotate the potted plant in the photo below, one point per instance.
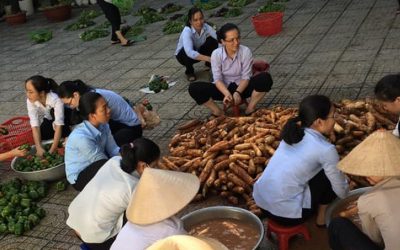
[
  {"x": 17, "y": 16},
  {"x": 58, "y": 10},
  {"x": 270, "y": 18}
]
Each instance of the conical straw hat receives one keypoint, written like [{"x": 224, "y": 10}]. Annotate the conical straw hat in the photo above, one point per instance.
[
  {"x": 185, "y": 242},
  {"x": 161, "y": 194},
  {"x": 377, "y": 155}
]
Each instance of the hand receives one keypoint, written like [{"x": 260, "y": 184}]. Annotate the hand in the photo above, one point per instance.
[
  {"x": 351, "y": 210},
  {"x": 16, "y": 152},
  {"x": 39, "y": 151},
  {"x": 227, "y": 99},
  {"x": 237, "y": 98}
]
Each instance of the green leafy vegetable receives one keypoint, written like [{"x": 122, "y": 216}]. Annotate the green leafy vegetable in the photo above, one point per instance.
[
  {"x": 172, "y": 27},
  {"x": 41, "y": 36},
  {"x": 207, "y": 5},
  {"x": 271, "y": 7},
  {"x": 239, "y": 3},
  {"x": 150, "y": 17},
  {"x": 158, "y": 83},
  {"x": 170, "y": 8},
  {"x": 85, "y": 20},
  {"x": 92, "y": 34}
]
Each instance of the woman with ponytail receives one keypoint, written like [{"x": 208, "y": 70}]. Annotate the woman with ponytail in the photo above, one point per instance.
[
  {"x": 124, "y": 123},
  {"x": 97, "y": 213},
  {"x": 46, "y": 112},
  {"x": 301, "y": 177}
]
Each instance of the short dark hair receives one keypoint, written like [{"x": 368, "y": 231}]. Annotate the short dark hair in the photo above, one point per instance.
[
  {"x": 87, "y": 104},
  {"x": 221, "y": 33},
  {"x": 68, "y": 88},
  {"x": 388, "y": 88},
  {"x": 141, "y": 149},
  {"x": 191, "y": 13},
  {"x": 41, "y": 83},
  {"x": 310, "y": 109}
]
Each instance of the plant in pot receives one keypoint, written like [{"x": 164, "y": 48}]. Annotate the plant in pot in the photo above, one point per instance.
[
  {"x": 58, "y": 10},
  {"x": 16, "y": 16},
  {"x": 270, "y": 18}
]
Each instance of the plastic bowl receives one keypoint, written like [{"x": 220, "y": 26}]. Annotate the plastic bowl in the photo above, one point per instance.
[{"x": 50, "y": 174}]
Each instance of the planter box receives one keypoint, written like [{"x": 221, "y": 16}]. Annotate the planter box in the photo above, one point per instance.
[
  {"x": 16, "y": 19},
  {"x": 58, "y": 13}
]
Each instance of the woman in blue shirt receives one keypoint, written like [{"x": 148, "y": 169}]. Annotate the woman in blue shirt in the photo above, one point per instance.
[
  {"x": 90, "y": 144},
  {"x": 124, "y": 122},
  {"x": 196, "y": 42},
  {"x": 302, "y": 177}
]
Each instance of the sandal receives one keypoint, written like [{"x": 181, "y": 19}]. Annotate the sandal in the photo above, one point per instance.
[
  {"x": 191, "y": 77},
  {"x": 115, "y": 42},
  {"x": 127, "y": 44}
]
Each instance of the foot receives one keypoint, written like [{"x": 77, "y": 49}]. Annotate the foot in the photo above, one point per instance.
[
  {"x": 127, "y": 43},
  {"x": 191, "y": 77},
  {"x": 115, "y": 42}
]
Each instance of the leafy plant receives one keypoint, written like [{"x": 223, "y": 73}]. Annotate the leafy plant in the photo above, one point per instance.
[
  {"x": 233, "y": 12},
  {"x": 239, "y": 3},
  {"x": 125, "y": 6},
  {"x": 145, "y": 10},
  {"x": 208, "y": 5},
  {"x": 94, "y": 33},
  {"x": 104, "y": 25},
  {"x": 84, "y": 20},
  {"x": 272, "y": 7},
  {"x": 150, "y": 17},
  {"x": 41, "y": 36},
  {"x": 170, "y": 8},
  {"x": 172, "y": 27}
]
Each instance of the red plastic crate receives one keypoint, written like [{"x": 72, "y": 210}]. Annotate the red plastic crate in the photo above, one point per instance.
[
  {"x": 268, "y": 24},
  {"x": 19, "y": 132}
]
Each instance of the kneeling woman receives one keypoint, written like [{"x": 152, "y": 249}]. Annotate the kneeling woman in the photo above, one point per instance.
[
  {"x": 196, "y": 42},
  {"x": 302, "y": 176},
  {"x": 97, "y": 213},
  {"x": 46, "y": 112},
  {"x": 159, "y": 196},
  {"x": 124, "y": 122},
  {"x": 232, "y": 72},
  {"x": 90, "y": 144}
]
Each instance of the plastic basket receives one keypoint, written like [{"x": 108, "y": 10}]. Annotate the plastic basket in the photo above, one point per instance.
[
  {"x": 268, "y": 24},
  {"x": 19, "y": 132}
]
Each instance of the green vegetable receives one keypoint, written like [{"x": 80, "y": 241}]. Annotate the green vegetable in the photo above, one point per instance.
[
  {"x": 150, "y": 17},
  {"x": 157, "y": 83},
  {"x": 84, "y": 20},
  {"x": 27, "y": 225},
  {"x": 33, "y": 195},
  {"x": 3, "y": 228},
  {"x": 170, "y": 8},
  {"x": 233, "y": 12},
  {"x": 145, "y": 10},
  {"x": 25, "y": 146},
  {"x": 3, "y": 201},
  {"x": 92, "y": 34},
  {"x": 207, "y": 5},
  {"x": 25, "y": 202},
  {"x": 239, "y": 3},
  {"x": 4, "y": 131},
  {"x": 11, "y": 227},
  {"x": 271, "y": 7},
  {"x": 19, "y": 229},
  {"x": 34, "y": 219},
  {"x": 41, "y": 36},
  {"x": 124, "y": 5},
  {"x": 15, "y": 199},
  {"x": 61, "y": 186},
  {"x": 172, "y": 27},
  {"x": 40, "y": 212}
]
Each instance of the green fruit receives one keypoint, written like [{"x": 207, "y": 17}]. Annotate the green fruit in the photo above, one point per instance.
[{"x": 61, "y": 186}]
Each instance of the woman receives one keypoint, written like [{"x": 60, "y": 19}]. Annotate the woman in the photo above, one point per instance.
[
  {"x": 378, "y": 207},
  {"x": 90, "y": 144},
  {"x": 114, "y": 17},
  {"x": 46, "y": 112},
  {"x": 300, "y": 176},
  {"x": 196, "y": 42},
  {"x": 159, "y": 196},
  {"x": 124, "y": 122},
  {"x": 97, "y": 213},
  {"x": 231, "y": 67}
]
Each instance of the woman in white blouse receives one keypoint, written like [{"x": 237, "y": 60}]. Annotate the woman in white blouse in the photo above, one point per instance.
[
  {"x": 196, "y": 42},
  {"x": 97, "y": 213},
  {"x": 46, "y": 112},
  {"x": 159, "y": 196},
  {"x": 302, "y": 177}
]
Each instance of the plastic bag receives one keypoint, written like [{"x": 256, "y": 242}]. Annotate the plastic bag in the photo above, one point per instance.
[{"x": 147, "y": 115}]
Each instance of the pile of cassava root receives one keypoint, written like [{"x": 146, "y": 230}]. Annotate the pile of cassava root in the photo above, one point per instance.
[{"x": 228, "y": 154}]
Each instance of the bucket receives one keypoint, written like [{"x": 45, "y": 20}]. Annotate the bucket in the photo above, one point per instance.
[{"x": 268, "y": 23}]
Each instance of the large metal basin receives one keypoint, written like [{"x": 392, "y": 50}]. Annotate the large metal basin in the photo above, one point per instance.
[
  {"x": 339, "y": 204},
  {"x": 50, "y": 174},
  {"x": 224, "y": 212}
]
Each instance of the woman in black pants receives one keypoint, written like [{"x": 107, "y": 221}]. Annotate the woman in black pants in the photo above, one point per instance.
[
  {"x": 232, "y": 73},
  {"x": 196, "y": 42},
  {"x": 112, "y": 14},
  {"x": 124, "y": 123}
]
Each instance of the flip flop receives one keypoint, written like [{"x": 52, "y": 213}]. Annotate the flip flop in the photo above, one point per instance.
[{"x": 129, "y": 43}]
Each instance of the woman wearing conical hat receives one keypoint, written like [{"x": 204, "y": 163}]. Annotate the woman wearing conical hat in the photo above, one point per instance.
[
  {"x": 378, "y": 159},
  {"x": 159, "y": 196}
]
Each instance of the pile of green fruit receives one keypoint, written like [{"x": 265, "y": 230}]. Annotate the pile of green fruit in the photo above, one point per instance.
[
  {"x": 35, "y": 163},
  {"x": 19, "y": 212},
  {"x": 158, "y": 83}
]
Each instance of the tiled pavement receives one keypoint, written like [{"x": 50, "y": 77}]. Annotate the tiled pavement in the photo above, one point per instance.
[{"x": 335, "y": 47}]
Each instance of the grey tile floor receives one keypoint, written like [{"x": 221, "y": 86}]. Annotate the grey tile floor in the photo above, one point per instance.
[{"x": 339, "y": 48}]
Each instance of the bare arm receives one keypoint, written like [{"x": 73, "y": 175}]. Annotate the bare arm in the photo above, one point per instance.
[
  {"x": 38, "y": 141},
  {"x": 56, "y": 138}
]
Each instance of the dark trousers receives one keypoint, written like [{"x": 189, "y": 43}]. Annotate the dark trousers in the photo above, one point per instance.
[
  {"x": 321, "y": 194},
  {"x": 123, "y": 133},
  {"x": 87, "y": 174},
  {"x": 206, "y": 49},
  {"x": 46, "y": 128},
  {"x": 201, "y": 92},
  {"x": 344, "y": 235},
  {"x": 112, "y": 14}
]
